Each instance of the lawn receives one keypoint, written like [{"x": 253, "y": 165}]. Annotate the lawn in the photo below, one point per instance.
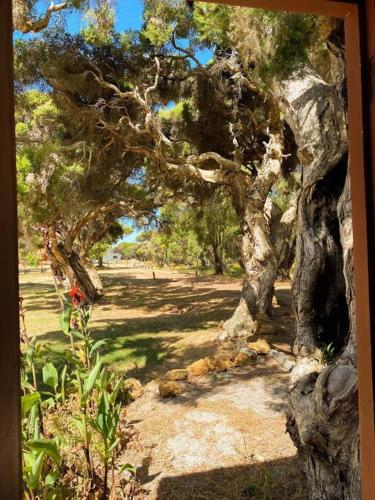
[{"x": 149, "y": 324}]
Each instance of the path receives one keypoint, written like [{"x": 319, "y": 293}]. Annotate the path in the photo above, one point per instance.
[
  {"x": 233, "y": 420},
  {"x": 224, "y": 439}
]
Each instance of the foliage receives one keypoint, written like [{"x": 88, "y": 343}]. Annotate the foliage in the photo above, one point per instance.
[
  {"x": 272, "y": 44},
  {"x": 198, "y": 235},
  {"x": 212, "y": 24},
  {"x": 218, "y": 229},
  {"x": 329, "y": 353},
  {"x": 79, "y": 387},
  {"x": 100, "y": 23},
  {"x": 99, "y": 250}
]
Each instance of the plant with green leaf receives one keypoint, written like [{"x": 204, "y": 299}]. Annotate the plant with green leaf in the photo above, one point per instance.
[
  {"x": 41, "y": 457},
  {"x": 106, "y": 421}
]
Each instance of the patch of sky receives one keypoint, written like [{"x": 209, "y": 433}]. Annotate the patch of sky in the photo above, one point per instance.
[
  {"x": 136, "y": 227},
  {"x": 132, "y": 237},
  {"x": 129, "y": 17},
  {"x": 202, "y": 54}
]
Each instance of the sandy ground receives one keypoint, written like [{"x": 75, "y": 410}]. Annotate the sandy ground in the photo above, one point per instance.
[
  {"x": 224, "y": 438},
  {"x": 230, "y": 421}
]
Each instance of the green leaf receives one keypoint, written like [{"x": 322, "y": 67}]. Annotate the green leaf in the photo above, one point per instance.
[
  {"x": 65, "y": 317},
  {"x": 50, "y": 375},
  {"x": 36, "y": 470},
  {"x": 91, "y": 379},
  {"x": 51, "y": 478},
  {"x": 27, "y": 403},
  {"x": 114, "y": 445},
  {"x": 31, "y": 350},
  {"x": 63, "y": 380},
  {"x": 79, "y": 335},
  {"x": 127, "y": 467},
  {"x": 47, "y": 446},
  {"x": 96, "y": 345},
  {"x": 115, "y": 390}
]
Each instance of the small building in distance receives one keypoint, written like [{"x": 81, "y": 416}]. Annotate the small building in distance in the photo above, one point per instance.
[{"x": 112, "y": 256}]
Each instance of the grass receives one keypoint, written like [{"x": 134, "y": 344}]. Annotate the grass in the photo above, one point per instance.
[{"x": 148, "y": 324}]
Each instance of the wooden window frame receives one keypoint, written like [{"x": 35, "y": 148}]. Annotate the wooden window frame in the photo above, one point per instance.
[{"x": 359, "y": 21}]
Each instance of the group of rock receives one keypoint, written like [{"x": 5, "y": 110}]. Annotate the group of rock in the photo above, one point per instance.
[{"x": 174, "y": 382}]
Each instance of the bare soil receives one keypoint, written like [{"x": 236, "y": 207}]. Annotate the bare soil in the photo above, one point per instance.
[{"x": 224, "y": 438}]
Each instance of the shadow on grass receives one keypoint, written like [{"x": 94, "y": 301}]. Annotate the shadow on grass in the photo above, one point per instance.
[
  {"x": 151, "y": 295},
  {"x": 274, "y": 480},
  {"x": 160, "y": 336}
]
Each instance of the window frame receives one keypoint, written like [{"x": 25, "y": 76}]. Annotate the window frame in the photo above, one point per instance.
[{"x": 360, "y": 50}]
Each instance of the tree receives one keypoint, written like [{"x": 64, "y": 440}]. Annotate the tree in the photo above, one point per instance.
[
  {"x": 63, "y": 199},
  {"x": 217, "y": 228},
  {"x": 323, "y": 419},
  {"x": 114, "y": 233},
  {"x": 261, "y": 107},
  {"x": 27, "y": 18},
  {"x": 217, "y": 143},
  {"x": 99, "y": 250}
]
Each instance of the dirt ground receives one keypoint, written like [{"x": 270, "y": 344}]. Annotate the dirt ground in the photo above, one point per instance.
[{"x": 224, "y": 438}]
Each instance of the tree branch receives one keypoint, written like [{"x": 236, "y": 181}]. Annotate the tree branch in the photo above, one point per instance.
[
  {"x": 36, "y": 25},
  {"x": 188, "y": 53}
]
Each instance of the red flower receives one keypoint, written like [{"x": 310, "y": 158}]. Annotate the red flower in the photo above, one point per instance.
[{"x": 77, "y": 295}]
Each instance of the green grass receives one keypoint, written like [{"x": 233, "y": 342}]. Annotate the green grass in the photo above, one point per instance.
[{"x": 148, "y": 324}]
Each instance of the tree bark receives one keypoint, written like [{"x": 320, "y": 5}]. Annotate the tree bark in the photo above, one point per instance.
[
  {"x": 253, "y": 314},
  {"x": 284, "y": 239},
  {"x": 218, "y": 260},
  {"x": 76, "y": 270},
  {"x": 323, "y": 418}
]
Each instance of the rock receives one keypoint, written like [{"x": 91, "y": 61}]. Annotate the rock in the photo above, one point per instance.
[
  {"x": 241, "y": 359},
  {"x": 199, "y": 368},
  {"x": 218, "y": 365},
  {"x": 223, "y": 335},
  {"x": 249, "y": 352},
  {"x": 240, "y": 343},
  {"x": 179, "y": 374},
  {"x": 170, "y": 389},
  {"x": 131, "y": 390},
  {"x": 230, "y": 363},
  {"x": 261, "y": 346},
  {"x": 285, "y": 361}
]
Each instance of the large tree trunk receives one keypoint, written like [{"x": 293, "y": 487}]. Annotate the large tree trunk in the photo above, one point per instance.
[
  {"x": 76, "y": 270},
  {"x": 253, "y": 314},
  {"x": 218, "y": 260},
  {"x": 284, "y": 239},
  {"x": 323, "y": 420}
]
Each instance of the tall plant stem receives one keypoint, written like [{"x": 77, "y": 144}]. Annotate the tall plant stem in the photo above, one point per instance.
[
  {"x": 86, "y": 444},
  {"x": 105, "y": 480},
  {"x": 57, "y": 289}
]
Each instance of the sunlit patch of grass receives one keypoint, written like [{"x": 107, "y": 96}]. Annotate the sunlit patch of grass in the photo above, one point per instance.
[{"x": 145, "y": 322}]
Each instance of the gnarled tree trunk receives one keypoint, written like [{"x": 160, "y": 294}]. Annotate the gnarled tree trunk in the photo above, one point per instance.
[
  {"x": 253, "y": 314},
  {"x": 77, "y": 270},
  {"x": 218, "y": 260},
  {"x": 323, "y": 420}
]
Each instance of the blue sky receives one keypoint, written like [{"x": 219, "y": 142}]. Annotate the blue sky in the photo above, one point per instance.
[{"x": 128, "y": 16}]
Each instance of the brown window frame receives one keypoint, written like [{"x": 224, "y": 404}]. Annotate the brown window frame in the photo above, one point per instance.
[{"x": 359, "y": 21}]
